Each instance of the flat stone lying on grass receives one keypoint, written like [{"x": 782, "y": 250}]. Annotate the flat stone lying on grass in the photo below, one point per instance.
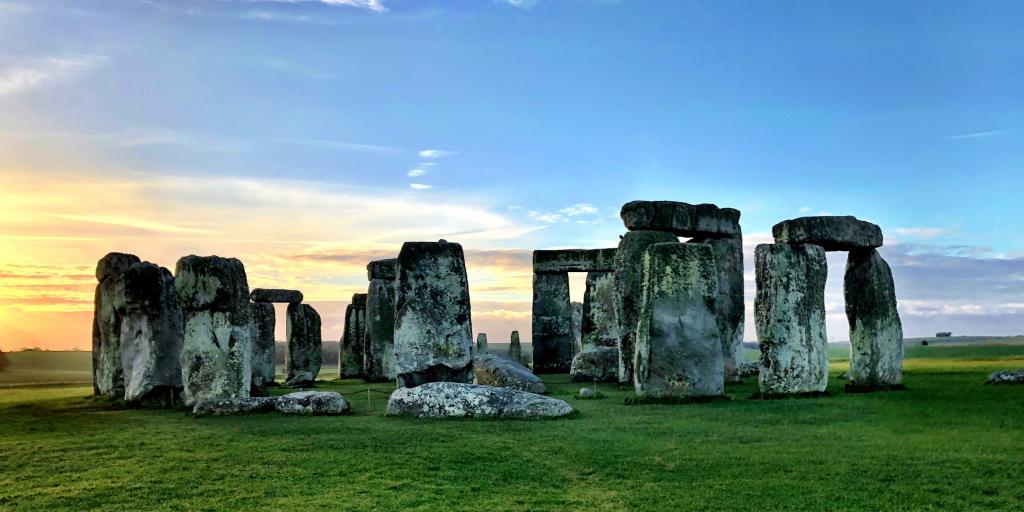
[
  {"x": 275, "y": 295},
  {"x": 586, "y": 393},
  {"x": 832, "y": 233},
  {"x": 600, "y": 364},
  {"x": 502, "y": 372},
  {"x": 1006, "y": 377},
  {"x": 314, "y": 403},
  {"x": 455, "y": 400},
  {"x": 231, "y": 406},
  {"x": 681, "y": 219}
]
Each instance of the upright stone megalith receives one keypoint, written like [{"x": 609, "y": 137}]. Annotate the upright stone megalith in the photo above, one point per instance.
[
  {"x": 107, "y": 373},
  {"x": 151, "y": 335},
  {"x": 515, "y": 348},
  {"x": 264, "y": 319},
  {"x": 305, "y": 346},
  {"x": 577, "y": 326},
  {"x": 350, "y": 355},
  {"x": 789, "y": 312},
  {"x": 678, "y": 351},
  {"x": 552, "y": 323},
  {"x": 876, "y": 333},
  {"x": 216, "y": 360},
  {"x": 379, "y": 343},
  {"x": 729, "y": 306},
  {"x": 433, "y": 324},
  {"x": 481, "y": 343},
  {"x": 628, "y": 289},
  {"x": 600, "y": 323}
]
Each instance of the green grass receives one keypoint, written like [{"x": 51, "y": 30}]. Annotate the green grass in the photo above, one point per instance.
[
  {"x": 32, "y": 367},
  {"x": 947, "y": 443}
]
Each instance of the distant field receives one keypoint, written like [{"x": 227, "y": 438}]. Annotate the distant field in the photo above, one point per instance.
[{"x": 43, "y": 367}]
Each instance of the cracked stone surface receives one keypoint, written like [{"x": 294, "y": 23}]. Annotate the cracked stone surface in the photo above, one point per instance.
[
  {"x": 456, "y": 400},
  {"x": 350, "y": 355},
  {"x": 313, "y": 403},
  {"x": 502, "y": 372},
  {"x": 832, "y": 233},
  {"x": 876, "y": 333},
  {"x": 599, "y": 364},
  {"x": 264, "y": 318},
  {"x": 552, "y": 323},
  {"x": 379, "y": 334},
  {"x": 304, "y": 354},
  {"x": 681, "y": 219}
]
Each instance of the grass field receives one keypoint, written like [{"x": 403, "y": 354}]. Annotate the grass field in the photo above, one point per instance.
[{"x": 947, "y": 443}]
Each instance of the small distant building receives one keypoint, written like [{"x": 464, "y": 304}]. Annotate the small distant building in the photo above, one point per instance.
[{"x": 946, "y": 334}]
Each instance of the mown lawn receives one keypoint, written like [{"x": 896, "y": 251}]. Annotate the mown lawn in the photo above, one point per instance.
[{"x": 948, "y": 443}]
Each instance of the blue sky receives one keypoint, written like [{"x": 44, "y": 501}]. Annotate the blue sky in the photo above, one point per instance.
[{"x": 540, "y": 118}]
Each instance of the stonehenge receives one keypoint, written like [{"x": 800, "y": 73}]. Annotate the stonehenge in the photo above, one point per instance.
[
  {"x": 600, "y": 323},
  {"x": 274, "y": 295},
  {"x": 350, "y": 355},
  {"x": 264, "y": 346},
  {"x": 876, "y": 333},
  {"x": 495, "y": 370},
  {"x": 457, "y": 400},
  {"x": 379, "y": 333},
  {"x": 599, "y": 364},
  {"x": 481, "y": 343},
  {"x": 107, "y": 373},
  {"x": 305, "y": 346},
  {"x": 515, "y": 347}
]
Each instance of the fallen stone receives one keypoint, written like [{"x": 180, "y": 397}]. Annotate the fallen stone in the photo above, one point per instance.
[
  {"x": 350, "y": 355},
  {"x": 586, "y": 393},
  {"x": 263, "y": 348},
  {"x": 481, "y": 343},
  {"x": 574, "y": 260},
  {"x": 232, "y": 406},
  {"x": 1006, "y": 377},
  {"x": 600, "y": 364},
  {"x": 600, "y": 324},
  {"x": 456, "y": 400},
  {"x": 876, "y": 333},
  {"x": 730, "y": 310},
  {"x": 272, "y": 295},
  {"x": 305, "y": 346},
  {"x": 433, "y": 323},
  {"x": 313, "y": 403},
  {"x": 152, "y": 336},
  {"x": 498, "y": 371},
  {"x": 789, "y": 313},
  {"x": 577, "y": 326},
  {"x": 379, "y": 331},
  {"x": 552, "y": 323},
  {"x": 681, "y": 219},
  {"x": 831, "y": 233}
]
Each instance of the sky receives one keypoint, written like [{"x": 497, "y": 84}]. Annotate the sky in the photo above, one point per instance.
[{"x": 308, "y": 137}]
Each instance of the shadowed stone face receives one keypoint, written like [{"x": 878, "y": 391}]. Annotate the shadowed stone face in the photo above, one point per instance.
[
  {"x": 790, "y": 318},
  {"x": 830, "y": 232},
  {"x": 552, "y": 323},
  {"x": 678, "y": 348},
  {"x": 263, "y": 367},
  {"x": 495, "y": 370},
  {"x": 379, "y": 345},
  {"x": 600, "y": 323},
  {"x": 151, "y": 335},
  {"x": 681, "y": 219},
  {"x": 577, "y": 326},
  {"x": 350, "y": 356},
  {"x": 433, "y": 324},
  {"x": 574, "y": 260},
  {"x": 876, "y": 334},
  {"x": 729, "y": 304},
  {"x": 481, "y": 343},
  {"x": 305, "y": 346},
  {"x": 515, "y": 347},
  {"x": 272, "y": 295},
  {"x": 599, "y": 364}
]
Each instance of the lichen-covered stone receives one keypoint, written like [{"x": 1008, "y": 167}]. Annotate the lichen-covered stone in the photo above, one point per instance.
[
  {"x": 433, "y": 322},
  {"x": 832, "y": 233},
  {"x": 216, "y": 359},
  {"x": 876, "y": 333},
  {"x": 232, "y": 406},
  {"x": 577, "y": 326},
  {"x": 681, "y": 219},
  {"x": 1006, "y": 377},
  {"x": 276, "y": 295},
  {"x": 379, "y": 332},
  {"x": 350, "y": 355},
  {"x": 587, "y": 393},
  {"x": 114, "y": 264},
  {"x": 382, "y": 269},
  {"x": 599, "y": 364},
  {"x": 789, "y": 313},
  {"x": 498, "y": 371},
  {"x": 552, "y": 323},
  {"x": 515, "y": 347},
  {"x": 456, "y": 400},
  {"x": 107, "y": 372},
  {"x": 628, "y": 289},
  {"x": 152, "y": 335},
  {"x": 678, "y": 343},
  {"x": 574, "y": 260},
  {"x": 263, "y": 347},
  {"x": 313, "y": 403},
  {"x": 729, "y": 305},
  {"x": 748, "y": 369},
  {"x": 600, "y": 323},
  {"x": 305, "y": 346}
]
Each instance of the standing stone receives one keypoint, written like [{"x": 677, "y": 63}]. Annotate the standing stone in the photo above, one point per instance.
[
  {"x": 151, "y": 335},
  {"x": 216, "y": 360},
  {"x": 515, "y": 348},
  {"x": 876, "y": 334},
  {"x": 107, "y": 373},
  {"x": 379, "y": 343},
  {"x": 678, "y": 347},
  {"x": 433, "y": 323},
  {"x": 552, "y": 323},
  {"x": 350, "y": 355},
  {"x": 305, "y": 346},
  {"x": 789, "y": 313},
  {"x": 628, "y": 290},
  {"x": 263, "y": 347},
  {"x": 577, "y": 327},
  {"x": 729, "y": 305},
  {"x": 600, "y": 324},
  {"x": 481, "y": 343}
]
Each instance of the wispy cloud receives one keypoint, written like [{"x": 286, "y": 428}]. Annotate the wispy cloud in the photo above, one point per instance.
[
  {"x": 413, "y": 173},
  {"x": 976, "y": 135},
  {"x": 129, "y": 222},
  {"x": 519, "y": 4},
  {"x": 342, "y": 145},
  {"x": 371, "y": 5},
  {"x": 29, "y": 76},
  {"x": 578, "y": 209},
  {"x": 550, "y": 218},
  {"x": 420, "y": 186},
  {"x": 922, "y": 233},
  {"x": 436, "y": 153}
]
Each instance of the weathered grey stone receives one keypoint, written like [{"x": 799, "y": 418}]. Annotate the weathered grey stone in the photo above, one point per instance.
[
  {"x": 107, "y": 372},
  {"x": 433, "y": 323},
  {"x": 600, "y": 323},
  {"x": 313, "y": 403},
  {"x": 263, "y": 347},
  {"x": 502, "y": 372},
  {"x": 114, "y": 264},
  {"x": 152, "y": 335},
  {"x": 628, "y": 289},
  {"x": 1006, "y": 377},
  {"x": 678, "y": 344},
  {"x": 515, "y": 347},
  {"x": 729, "y": 305},
  {"x": 232, "y": 406},
  {"x": 599, "y": 364},
  {"x": 681, "y": 219},
  {"x": 789, "y": 312},
  {"x": 587, "y": 393},
  {"x": 350, "y": 356},
  {"x": 876, "y": 334},
  {"x": 273, "y": 295},
  {"x": 481, "y": 343},
  {"x": 574, "y": 260},
  {"x": 382, "y": 269},
  {"x": 216, "y": 359},
  {"x": 305, "y": 346},
  {"x": 832, "y": 233},
  {"x": 577, "y": 326},
  {"x": 456, "y": 400},
  {"x": 748, "y": 369},
  {"x": 379, "y": 332},
  {"x": 552, "y": 323}
]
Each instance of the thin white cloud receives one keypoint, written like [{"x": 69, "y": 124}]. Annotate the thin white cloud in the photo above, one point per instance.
[
  {"x": 371, "y": 5},
  {"x": 976, "y": 135},
  {"x": 342, "y": 145},
  {"x": 578, "y": 209},
  {"x": 550, "y": 218},
  {"x": 805, "y": 209},
  {"x": 420, "y": 186},
  {"x": 27, "y": 77},
  {"x": 436, "y": 153},
  {"x": 129, "y": 222},
  {"x": 519, "y": 4},
  {"x": 414, "y": 173},
  {"x": 924, "y": 233}
]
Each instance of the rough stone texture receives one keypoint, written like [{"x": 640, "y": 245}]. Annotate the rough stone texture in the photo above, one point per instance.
[
  {"x": 599, "y": 364},
  {"x": 231, "y": 406},
  {"x": 152, "y": 335},
  {"x": 107, "y": 373},
  {"x": 350, "y": 357},
  {"x": 263, "y": 347},
  {"x": 577, "y": 326},
  {"x": 628, "y": 289},
  {"x": 313, "y": 403},
  {"x": 216, "y": 360},
  {"x": 433, "y": 324},
  {"x": 455, "y": 400},
  {"x": 729, "y": 305},
  {"x": 587, "y": 393},
  {"x": 574, "y": 260},
  {"x": 681, "y": 219},
  {"x": 382, "y": 269},
  {"x": 515, "y": 347},
  {"x": 678, "y": 343},
  {"x": 552, "y": 323},
  {"x": 502, "y": 372},
  {"x": 876, "y": 334},
  {"x": 600, "y": 324},
  {"x": 1006, "y": 377},
  {"x": 789, "y": 313},
  {"x": 748, "y": 369},
  {"x": 305, "y": 346},
  {"x": 272, "y": 295},
  {"x": 481, "y": 343},
  {"x": 114, "y": 264},
  {"x": 831, "y": 233},
  {"x": 379, "y": 332}
]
